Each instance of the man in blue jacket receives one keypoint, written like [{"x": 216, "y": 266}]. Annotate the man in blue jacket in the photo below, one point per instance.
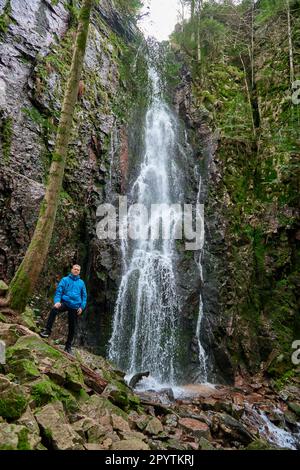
[{"x": 70, "y": 296}]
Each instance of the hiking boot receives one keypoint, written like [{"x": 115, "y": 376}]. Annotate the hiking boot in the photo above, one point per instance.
[
  {"x": 68, "y": 350},
  {"x": 45, "y": 333}
]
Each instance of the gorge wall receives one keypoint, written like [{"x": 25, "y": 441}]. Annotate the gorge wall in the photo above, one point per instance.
[
  {"x": 36, "y": 41},
  {"x": 247, "y": 138}
]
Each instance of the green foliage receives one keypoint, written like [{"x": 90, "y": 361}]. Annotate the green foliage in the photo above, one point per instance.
[
  {"x": 267, "y": 9},
  {"x": 6, "y": 135},
  {"x": 130, "y": 7},
  {"x": 5, "y": 19}
]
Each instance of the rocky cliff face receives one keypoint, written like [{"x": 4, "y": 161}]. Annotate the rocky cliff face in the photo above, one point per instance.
[
  {"x": 249, "y": 155},
  {"x": 36, "y": 40}
]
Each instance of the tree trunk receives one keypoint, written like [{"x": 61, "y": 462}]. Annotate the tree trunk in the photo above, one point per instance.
[
  {"x": 291, "y": 54},
  {"x": 24, "y": 281},
  {"x": 199, "y": 7}
]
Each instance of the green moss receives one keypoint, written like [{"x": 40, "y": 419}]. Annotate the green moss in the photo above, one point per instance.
[
  {"x": 5, "y": 19},
  {"x": 24, "y": 369},
  {"x": 23, "y": 443},
  {"x": 13, "y": 403},
  {"x": 18, "y": 290},
  {"x": 6, "y": 135},
  {"x": 35, "y": 344},
  {"x": 45, "y": 391},
  {"x": 284, "y": 379}
]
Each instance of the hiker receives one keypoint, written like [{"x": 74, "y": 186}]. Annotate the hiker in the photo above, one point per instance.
[{"x": 70, "y": 296}]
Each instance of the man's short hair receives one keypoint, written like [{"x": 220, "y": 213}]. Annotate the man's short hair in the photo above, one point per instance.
[{"x": 78, "y": 265}]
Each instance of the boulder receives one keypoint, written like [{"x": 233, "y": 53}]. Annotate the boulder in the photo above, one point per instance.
[
  {"x": 64, "y": 372},
  {"x": 56, "y": 429},
  {"x": 137, "y": 378},
  {"x": 130, "y": 444},
  {"x": 154, "y": 426},
  {"x": 15, "y": 437},
  {"x": 194, "y": 427},
  {"x": 13, "y": 399},
  {"x": 119, "y": 424}
]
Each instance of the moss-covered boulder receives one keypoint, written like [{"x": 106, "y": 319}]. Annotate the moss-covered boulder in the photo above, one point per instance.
[
  {"x": 91, "y": 430},
  {"x": 9, "y": 333},
  {"x": 64, "y": 372},
  {"x": 154, "y": 426},
  {"x": 24, "y": 369},
  {"x": 33, "y": 343},
  {"x": 16, "y": 437},
  {"x": 13, "y": 399},
  {"x": 28, "y": 319},
  {"x": 98, "y": 407},
  {"x": 57, "y": 432},
  {"x": 260, "y": 444},
  {"x": 295, "y": 407},
  {"x": 44, "y": 391}
]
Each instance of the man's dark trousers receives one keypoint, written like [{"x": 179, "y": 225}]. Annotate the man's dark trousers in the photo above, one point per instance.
[{"x": 72, "y": 321}]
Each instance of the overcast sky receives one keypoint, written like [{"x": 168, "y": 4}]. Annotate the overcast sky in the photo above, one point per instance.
[{"x": 162, "y": 19}]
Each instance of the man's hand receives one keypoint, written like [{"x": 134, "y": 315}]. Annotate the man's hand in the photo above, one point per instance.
[
  {"x": 79, "y": 311},
  {"x": 57, "y": 305}
]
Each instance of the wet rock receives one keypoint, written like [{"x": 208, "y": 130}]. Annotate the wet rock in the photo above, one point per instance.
[
  {"x": 260, "y": 444},
  {"x": 195, "y": 427},
  {"x": 295, "y": 407},
  {"x": 170, "y": 420},
  {"x": 137, "y": 378},
  {"x": 234, "y": 429}
]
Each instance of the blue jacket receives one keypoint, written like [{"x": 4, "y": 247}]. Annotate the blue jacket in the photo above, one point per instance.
[{"x": 72, "y": 292}]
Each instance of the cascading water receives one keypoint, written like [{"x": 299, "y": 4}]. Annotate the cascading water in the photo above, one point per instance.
[
  {"x": 145, "y": 324},
  {"x": 202, "y": 355}
]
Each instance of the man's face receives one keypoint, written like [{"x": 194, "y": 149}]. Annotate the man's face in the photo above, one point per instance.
[{"x": 75, "y": 270}]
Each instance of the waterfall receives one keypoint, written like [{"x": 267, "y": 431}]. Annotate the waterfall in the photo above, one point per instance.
[
  {"x": 202, "y": 353},
  {"x": 145, "y": 325}
]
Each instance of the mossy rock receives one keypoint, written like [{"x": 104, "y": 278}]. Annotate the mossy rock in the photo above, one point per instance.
[
  {"x": 24, "y": 369},
  {"x": 28, "y": 319},
  {"x": 97, "y": 406},
  {"x": 45, "y": 391},
  {"x": 13, "y": 399},
  {"x": 68, "y": 374},
  {"x": 14, "y": 437},
  {"x": 260, "y": 444},
  {"x": 295, "y": 407},
  {"x": 36, "y": 345}
]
